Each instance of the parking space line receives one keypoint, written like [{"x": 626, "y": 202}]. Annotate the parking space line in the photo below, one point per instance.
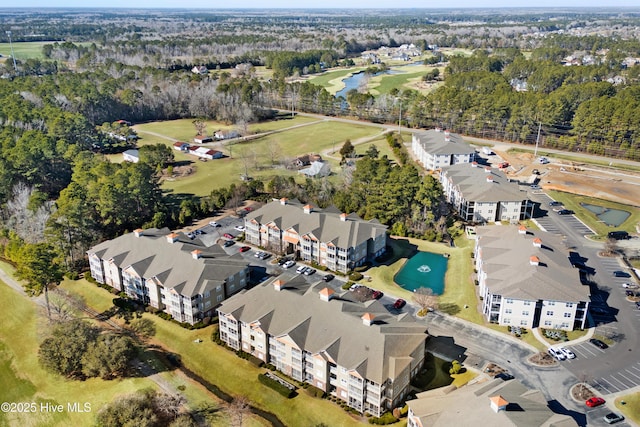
[
  {"x": 624, "y": 385},
  {"x": 631, "y": 373},
  {"x": 602, "y": 386}
]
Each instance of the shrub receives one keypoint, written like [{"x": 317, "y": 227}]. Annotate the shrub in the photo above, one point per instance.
[
  {"x": 355, "y": 276},
  {"x": 455, "y": 367},
  {"x": 386, "y": 418},
  {"x": 347, "y": 285},
  {"x": 275, "y": 385},
  {"x": 316, "y": 392}
]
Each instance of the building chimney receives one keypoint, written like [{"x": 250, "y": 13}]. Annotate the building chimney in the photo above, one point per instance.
[
  {"x": 343, "y": 217},
  {"x": 474, "y": 164},
  {"x": 487, "y": 169},
  {"x": 196, "y": 254},
  {"x": 367, "y": 319},
  {"x": 498, "y": 403},
  {"x": 490, "y": 179},
  {"x": 447, "y": 138},
  {"x": 283, "y": 201},
  {"x": 438, "y": 129},
  {"x": 522, "y": 230},
  {"x": 537, "y": 242},
  {"x": 326, "y": 294},
  {"x": 534, "y": 260},
  {"x": 138, "y": 232},
  {"x": 172, "y": 238},
  {"x": 278, "y": 285},
  {"x": 308, "y": 209}
]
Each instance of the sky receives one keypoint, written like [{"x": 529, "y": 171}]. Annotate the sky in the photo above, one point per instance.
[{"x": 297, "y": 4}]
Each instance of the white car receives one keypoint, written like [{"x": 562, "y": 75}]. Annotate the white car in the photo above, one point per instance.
[
  {"x": 557, "y": 354},
  {"x": 214, "y": 224},
  {"x": 301, "y": 269},
  {"x": 628, "y": 285},
  {"x": 289, "y": 264},
  {"x": 570, "y": 354},
  {"x": 239, "y": 227}
]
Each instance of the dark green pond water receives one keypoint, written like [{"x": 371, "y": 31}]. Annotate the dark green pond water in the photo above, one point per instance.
[{"x": 423, "y": 270}]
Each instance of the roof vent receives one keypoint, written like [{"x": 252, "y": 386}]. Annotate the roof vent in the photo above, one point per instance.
[
  {"x": 326, "y": 294},
  {"x": 537, "y": 242},
  {"x": 367, "y": 319},
  {"x": 172, "y": 238},
  {"x": 278, "y": 285},
  {"x": 534, "y": 260},
  {"x": 308, "y": 209},
  {"x": 138, "y": 232},
  {"x": 498, "y": 403}
]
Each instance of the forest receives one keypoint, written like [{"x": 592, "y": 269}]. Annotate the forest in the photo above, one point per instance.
[{"x": 59, "y": 112}]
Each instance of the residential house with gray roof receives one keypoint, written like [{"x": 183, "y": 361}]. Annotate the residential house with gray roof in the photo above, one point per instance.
[
  {"x": 356, "y": 351},
  {"x": 527, "y": 279},
  {"x": 483, "y": 194},
  {"x": 491, "y": 402},
  {"x": 328, "y": 237},
  {"x": 435, "y": 149},
  {"x": 169, "y": 271}
]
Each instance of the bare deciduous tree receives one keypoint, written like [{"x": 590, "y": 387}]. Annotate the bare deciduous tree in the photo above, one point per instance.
[
  {"x": 274, "y": 151},
  {"x": 425, "y": 298},
  {"x": 200, "y": 126},
  {"x": 238, "y": 409}
]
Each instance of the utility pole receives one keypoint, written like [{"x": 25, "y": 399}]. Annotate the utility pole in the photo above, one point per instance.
[
  {"x": 535, "y": 152},
  {"x": 13, "y": 56}
]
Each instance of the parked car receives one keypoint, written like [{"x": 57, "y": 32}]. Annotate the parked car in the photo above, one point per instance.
[
  {"x": 289, "y": 264},
  {"x": 229, "y": 236},
  {"x": 504, "y": 376},
  {"x": 354, "y": 287},
  {"x": 258, "y": 254},
  {"x": 598, "y": 343},
  {"x": 638, "y": 305},
  {"x": 629, "y": 293},
  {"x": 612, "y": 418},
  {"x": 244, "y": 249},
  {"x": 555, "y": 203},
  {"x": 399, "y": 303},
  {"x": 214, "y": 224},
  {"x": 628, "y": 285},
  {"x": 557, "y": 354},
  {"x": 239, "y": 227},
  {"x": 191, "y": 235},
  {"x": 301, "y": 269},
  {"x": 618, "y": 235},
  {"x": 592, "y": 402},
  {"x": 328, "y": 277},
  {"x": 565, "y": 212},
  {"x": 377, "y": 295},
  {"x": 282, "y": 261},
  {"x": 228, "y": 243},
  {"x": 620, "y": 273},
  {"x": 535, "y": 187},
  {"x": 543, "y": 160},
  {"x": 309, "y": 271},
  {"x": 570, "y": 354}
]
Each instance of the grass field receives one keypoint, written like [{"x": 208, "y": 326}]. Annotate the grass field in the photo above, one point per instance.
[
  {"x": 23, "y": 380},
  {"x": 332, "y": 80},
  {"x": 298, "y": 136},
  {"x": 631, "y": 407},
  {"x": 23, "y": 50},
  {"x": 573, "y": 202}
]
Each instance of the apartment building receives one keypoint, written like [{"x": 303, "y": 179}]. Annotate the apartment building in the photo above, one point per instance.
[
  {"x": 328, "y": 237},
  {"x": 356, "y": 351},
  {"x": 436, "y": 149},
  {"x": 484, "y": 195},
  {"x": 527, "y": 279},
  {"x": 169, "y": 271}
]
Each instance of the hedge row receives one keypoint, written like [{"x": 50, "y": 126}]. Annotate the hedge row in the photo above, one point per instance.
[{"x": 275, "y": 385}]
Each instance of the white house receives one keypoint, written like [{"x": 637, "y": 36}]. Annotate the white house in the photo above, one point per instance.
[
  {"x": 526, "y": 279},
  {"x": 181, "y": 146},
  {"x": 205, "y": 153},
  {"x": 482, "y": 194},
  {"x": 435, "y": 149},
  {"x": 131, "y": 155},
  {"x": 318, "y": 169}
]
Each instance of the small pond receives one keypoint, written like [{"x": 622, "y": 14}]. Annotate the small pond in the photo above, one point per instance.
[
  {"x": 611, "y": 217},
  {"x": 423, "y": 270}
]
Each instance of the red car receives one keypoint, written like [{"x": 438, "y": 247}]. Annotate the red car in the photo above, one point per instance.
[
  {"x": 399, "y": 303},
  {"x": 228, "y": 236},
  {"x": 377, "y": 294},
  {"x": 244, "y": 248},
  {"x": 594, "y": 401}
]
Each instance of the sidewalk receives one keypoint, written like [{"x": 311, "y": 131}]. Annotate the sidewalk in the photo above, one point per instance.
[{"x": 588, "y": 336}]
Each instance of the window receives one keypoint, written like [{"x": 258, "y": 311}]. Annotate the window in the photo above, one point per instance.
[
  {"x": 525, "y": 312},
  {"x": 567, "y": 315},
  {"x": 551, "y": 303},
  {"x": 547, "y": 323},
  {"x": 219, "y": 299},
  {"x": 207, "y": 294},
  {"x": 569, "y": 305},
  {"x": 523, "y": 323},
  {"x": 508, "y": 311},
  {"x": 527, "y": 303},
  {"x": 509, "y": 301},
  {"x": 549, "y": 312}
]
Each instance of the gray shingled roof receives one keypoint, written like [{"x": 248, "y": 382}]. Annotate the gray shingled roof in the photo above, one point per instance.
[
  {"x": 506, "y": 259},
  {"x": 434, "y": 142},
  {"x": 472, "y": 183},
  {"x": 172, "y": 263},
  {"x": 325, "y": 225},
  {"x": 334, "y": 327}
]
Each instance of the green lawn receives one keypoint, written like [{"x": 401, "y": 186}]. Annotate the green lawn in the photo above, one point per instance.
[
  {"x": 313, "y": 137},
  {"x": 23, "y": 380},
  {"x": 406, "y": 75},
  {"x": 572, "y": 201},
  {"x": 631, "y": 407},
  {"x": 332, "y": 80},
  {"x": 23, "y": 50}
]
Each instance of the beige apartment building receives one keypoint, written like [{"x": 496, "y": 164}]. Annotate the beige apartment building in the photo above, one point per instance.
[
  {"x": 328, "y": 237},
  {"x": 358, "y": 352},
  {"x": 169, "y": 271}
]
